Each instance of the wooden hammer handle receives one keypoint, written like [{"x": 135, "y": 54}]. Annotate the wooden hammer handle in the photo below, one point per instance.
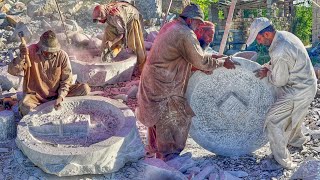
[{"x": 23, "y": 41}]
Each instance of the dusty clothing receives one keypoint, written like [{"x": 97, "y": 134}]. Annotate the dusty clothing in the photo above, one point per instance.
[
  {"x": 292, "y": 74},
  {"x": 123, "y": 18},
  {"x": 110, "y": 33},
  {"x": 30, "y": 101},
  {"x": 45, "y": 79},
  {"x": 169, "y": 135},
  {"x": 164, "y": 81}
]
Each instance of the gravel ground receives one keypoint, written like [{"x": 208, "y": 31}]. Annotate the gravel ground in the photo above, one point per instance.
[{"x": 14, "y": 165}]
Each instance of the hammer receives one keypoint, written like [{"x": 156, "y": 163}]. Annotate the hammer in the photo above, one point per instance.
[{"x": 23, "y": 41}]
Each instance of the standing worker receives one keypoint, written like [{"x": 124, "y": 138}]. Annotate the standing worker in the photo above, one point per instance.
[
  {"x": 123, "y": 30},
  {"x": 161, "y": 103},
  {"x": 291, "y": 72}
]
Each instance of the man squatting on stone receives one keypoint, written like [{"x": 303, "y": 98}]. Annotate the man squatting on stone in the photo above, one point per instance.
[
  {"x": 123, "y": 30},
  {"x": 291, "y": 72},
  {"x": 49, "y": 77},
  {"x": 162, "y": 106}
]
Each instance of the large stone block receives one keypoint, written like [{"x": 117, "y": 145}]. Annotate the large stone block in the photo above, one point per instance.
[
  {"x": 89, "y": 135},
  {"x": 102, "y": 73},
  {"x": 230, "y": 108},
  {"x": 7, "y": 125}
]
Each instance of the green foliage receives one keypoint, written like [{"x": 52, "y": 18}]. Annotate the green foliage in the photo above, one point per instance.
[
  {"x": 254, "y": 12},
  {"x": 205, "y": 5},
  {"x": 263, "y": 53},
  {"x": 302, "y": 23},
  {"x": 220, "y": 14}
]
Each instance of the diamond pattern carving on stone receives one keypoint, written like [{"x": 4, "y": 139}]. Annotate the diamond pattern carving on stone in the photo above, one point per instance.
[
  {"x": 230, "y": 108},
  {"x": 231, "y": 105}
]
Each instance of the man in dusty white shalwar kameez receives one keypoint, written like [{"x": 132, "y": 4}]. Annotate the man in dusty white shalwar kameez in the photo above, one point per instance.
[{"x": 291, "y": 72}]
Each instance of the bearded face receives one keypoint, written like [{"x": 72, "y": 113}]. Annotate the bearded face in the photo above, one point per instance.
[
  {"x": 193, "y": 23},
  {"x": 48, "y": 55}
]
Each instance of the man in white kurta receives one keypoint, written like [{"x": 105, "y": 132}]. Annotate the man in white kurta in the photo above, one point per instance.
[{"x": 291, "y": 72}]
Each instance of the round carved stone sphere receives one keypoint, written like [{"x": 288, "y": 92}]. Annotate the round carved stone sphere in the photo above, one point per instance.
[{"x": 230, "y": 107}]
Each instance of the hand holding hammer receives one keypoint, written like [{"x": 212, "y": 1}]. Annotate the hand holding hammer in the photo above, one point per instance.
[{"x": 23, "y": 49}]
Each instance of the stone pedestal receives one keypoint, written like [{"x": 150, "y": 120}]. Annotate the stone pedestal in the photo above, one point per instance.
[
  {"x": 89, "y": 135},
  {"x": 7, "y": 125},
  {"x": 230, "y": 108}
]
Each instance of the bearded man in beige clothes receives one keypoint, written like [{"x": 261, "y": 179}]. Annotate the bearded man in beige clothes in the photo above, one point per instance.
[
  {"x": 123, "y": 30},
  {"x": 49, "y": 77},
  {"x": 161, "y": 103},
  {"x": 291, "y": 72}
]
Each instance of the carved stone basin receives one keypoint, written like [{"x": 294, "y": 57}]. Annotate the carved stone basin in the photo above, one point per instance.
[
  {"x": 97, "y": 73},
  {"x": 89, "y": 135}
]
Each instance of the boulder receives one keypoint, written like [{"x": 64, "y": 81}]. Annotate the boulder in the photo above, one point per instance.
[
  {"x": 230, "y": 107},
  {"x": 7, "y": 81}
]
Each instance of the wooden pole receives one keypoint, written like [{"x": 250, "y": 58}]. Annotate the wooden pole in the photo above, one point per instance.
[
  {"x": 165, "y": 16},
  {"x": 227, "y": 28},
  {"x": 64, "y": 26}
]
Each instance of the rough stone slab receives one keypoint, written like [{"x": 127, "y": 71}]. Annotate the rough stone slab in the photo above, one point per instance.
[
  {"x": 112, "y": 140},
  {"x": 308, "y": 171},
  {"x": 230, "y": 108},
  {"x": 100, "y": 74},
  {"x": 156, "y": 169},
  {"x": 7, "y": 81},
  {"x": 149, "y": 8},
  {"x": 7, "y": 125}
]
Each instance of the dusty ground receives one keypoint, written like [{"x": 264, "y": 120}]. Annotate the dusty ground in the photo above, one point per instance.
[{"x": 14, "y": 165}]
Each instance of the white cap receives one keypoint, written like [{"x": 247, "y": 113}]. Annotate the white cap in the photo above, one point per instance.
[{"x": 257, "y": 25}]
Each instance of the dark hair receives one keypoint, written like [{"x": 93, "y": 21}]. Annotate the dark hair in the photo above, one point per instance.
[
  {"x": 184, "y": 18},
  {"x": 270, "y": 28}
]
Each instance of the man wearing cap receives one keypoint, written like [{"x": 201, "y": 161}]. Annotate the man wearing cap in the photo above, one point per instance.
[
  {"x": 123, "y": 30},
  {"x": 49, "y": 77},
  {"x": 291, "y": 72},
  {"x": 161, "y": 103}
]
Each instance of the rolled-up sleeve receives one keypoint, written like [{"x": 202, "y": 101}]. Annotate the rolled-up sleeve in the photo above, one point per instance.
[
  {"x": 66, "y": 77},
  {"x": 193, "y": 53}
]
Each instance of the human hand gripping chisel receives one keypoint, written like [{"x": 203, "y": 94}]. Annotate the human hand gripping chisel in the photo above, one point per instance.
[{"x": 23, "y": 42}]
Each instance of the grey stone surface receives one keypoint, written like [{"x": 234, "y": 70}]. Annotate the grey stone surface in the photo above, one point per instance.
[
  {"x": 100, "y": 74},
  {"x": 89, "y": 135},
  {"x": 149, "y": 8},
  {"x": 308, "y": 171},
  {"x": 251, "y": 55},
  {"x": 230, "y": 108},
  {"x": 7, "y": 81},
  {"x": 7, "y": 125},
  {"x": 41, "y": 7}
]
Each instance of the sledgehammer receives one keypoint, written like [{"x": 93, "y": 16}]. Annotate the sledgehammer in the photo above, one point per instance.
[{"x": 23, "y": 41}]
